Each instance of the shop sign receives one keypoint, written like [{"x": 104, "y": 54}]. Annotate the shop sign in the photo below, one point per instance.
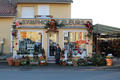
[{"x": 63, "y": 21}]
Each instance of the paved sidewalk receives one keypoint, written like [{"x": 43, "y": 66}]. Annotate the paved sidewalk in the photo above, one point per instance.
[
  {"x": 116, "y": 66},
  {"x": 59, "y": 67}
]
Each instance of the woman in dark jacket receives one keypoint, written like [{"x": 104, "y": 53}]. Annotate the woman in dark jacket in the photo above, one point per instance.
[{"x": 57, "y": 54}]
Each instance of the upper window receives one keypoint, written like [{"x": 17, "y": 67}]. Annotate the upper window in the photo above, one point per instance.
[
  {"x": 43, "y": 10},
  {"x": 27, "y": 12}
]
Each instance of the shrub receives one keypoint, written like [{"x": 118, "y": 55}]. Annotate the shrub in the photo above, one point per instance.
[{"x": 98, "y": 60}]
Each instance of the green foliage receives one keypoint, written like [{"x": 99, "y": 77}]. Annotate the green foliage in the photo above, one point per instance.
[
  {"x": 57, "y": 25},
  {"x": 98, "y": 60}
]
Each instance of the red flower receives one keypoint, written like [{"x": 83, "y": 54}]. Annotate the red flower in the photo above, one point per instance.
[
  {"x": 46, "y": 31},
  {"x": 55, "y": 30},
  {"x": 87, "y": 43},
  {"x": 13, "y": 33},
  {"x": 17, "y": 23},
  {"x": 90, "y": 31},
  {"x": 16, "y": 43}
]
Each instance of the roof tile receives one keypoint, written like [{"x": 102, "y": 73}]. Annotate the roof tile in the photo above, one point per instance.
[{"x": 6, "y": 9}]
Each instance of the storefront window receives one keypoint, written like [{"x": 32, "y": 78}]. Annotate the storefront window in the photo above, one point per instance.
[
  {"x": 30, "y": 42},
  {"x": 75, "y": 42}
]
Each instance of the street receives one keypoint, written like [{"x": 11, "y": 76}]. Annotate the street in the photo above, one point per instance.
[{"x": 58, "y": 74}]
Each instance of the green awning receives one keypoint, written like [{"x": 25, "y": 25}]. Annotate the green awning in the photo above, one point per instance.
[{"x": 98, "y": 28}]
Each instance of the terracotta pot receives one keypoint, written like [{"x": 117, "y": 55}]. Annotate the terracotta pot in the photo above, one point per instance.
[
  {"x": 42, "y": 64},
  {"x": 10, "y": 61},
  {"x": 109, "y": 62},
  {"x": 63, "y": 64},
  {"x": 17, "y": 62}
]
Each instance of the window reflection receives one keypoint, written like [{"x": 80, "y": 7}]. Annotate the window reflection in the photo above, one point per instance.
[
  {"x": 30, "y": 42},
  {"x": 75, "y": 41}
]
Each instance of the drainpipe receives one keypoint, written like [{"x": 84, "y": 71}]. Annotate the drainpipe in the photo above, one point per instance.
[
  {"x": 97, "y": 40},
  {"x": 2, "y": 46},
  {"x": 11, "y": 50}
]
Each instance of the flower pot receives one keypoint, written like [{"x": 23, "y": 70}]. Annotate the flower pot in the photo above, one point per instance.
[
  {"x": 10, "y": 61},
  {"x": 70, "y": 63},
  {"x": 42, "y": 62},
  {"x": 109, "y": 62},
  {"x": 63, "y": 63},
  {"x": 17, "y": 62}
]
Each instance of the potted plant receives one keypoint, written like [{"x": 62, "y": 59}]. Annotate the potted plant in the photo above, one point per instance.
[
  {"x": 70, "y": 61},
  {"x": 63, "y": 62},
  {"x": 17, "y": 62},
  {"x": 75, "y": 62},
  {"x": 42, "y": 61},
  {"x": 10, "y": 61},
  {"x": 34, "y": 62},
  {"x": 109, "y": 60},
  {"x": 98, "y": 60},
  {"x": 82, "y": 62},
  {"x": 23, "y": 62}
]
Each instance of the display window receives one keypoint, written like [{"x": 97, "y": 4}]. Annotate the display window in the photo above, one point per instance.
[
  {"x": 76, "y": 42},
  {"x": 30, "y": 42}
]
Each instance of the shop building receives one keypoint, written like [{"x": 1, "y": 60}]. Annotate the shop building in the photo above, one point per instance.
[{"x": 44, "y": 23}]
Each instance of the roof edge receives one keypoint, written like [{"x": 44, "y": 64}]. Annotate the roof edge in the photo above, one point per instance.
[
  {"x": 44, "y": 2},
  {"x": 7, "y": 16}
]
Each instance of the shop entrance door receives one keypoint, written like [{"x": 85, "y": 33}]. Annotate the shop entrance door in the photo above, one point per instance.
[{"x": 52, "y": 41}]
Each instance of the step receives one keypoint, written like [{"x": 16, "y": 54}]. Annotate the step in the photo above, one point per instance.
[{"x": 51, "y": 60}]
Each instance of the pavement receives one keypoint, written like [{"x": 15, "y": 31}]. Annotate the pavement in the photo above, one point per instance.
[
  {"x": 54, "y": 67},
  {"x": 115, "y": 66}
]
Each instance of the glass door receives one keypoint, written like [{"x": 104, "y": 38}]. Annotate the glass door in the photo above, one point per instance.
[{"x": 52, "y": 41}]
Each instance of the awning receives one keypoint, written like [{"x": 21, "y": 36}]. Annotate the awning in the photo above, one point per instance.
[{"x": 99, "y": 28}]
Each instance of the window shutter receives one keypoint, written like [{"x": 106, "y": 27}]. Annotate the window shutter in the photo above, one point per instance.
[
  {"x": 43, "y": 10},
  {"x": 27, "y": 12}
]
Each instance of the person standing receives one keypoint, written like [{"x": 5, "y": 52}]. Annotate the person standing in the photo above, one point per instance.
[{"x": 57, "y": 54}]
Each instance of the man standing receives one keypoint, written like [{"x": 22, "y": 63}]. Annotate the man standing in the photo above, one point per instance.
[{"x": 57, "y": 54}]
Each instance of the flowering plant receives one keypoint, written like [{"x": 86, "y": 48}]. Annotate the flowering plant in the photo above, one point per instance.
[
  {"x": 53, "y": 25},
  {"x": 109, "y": 57},
  {"x": 90, "y": 29}
]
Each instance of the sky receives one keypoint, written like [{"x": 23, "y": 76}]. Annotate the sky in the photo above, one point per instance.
[{"x": 106, "y": 12}]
